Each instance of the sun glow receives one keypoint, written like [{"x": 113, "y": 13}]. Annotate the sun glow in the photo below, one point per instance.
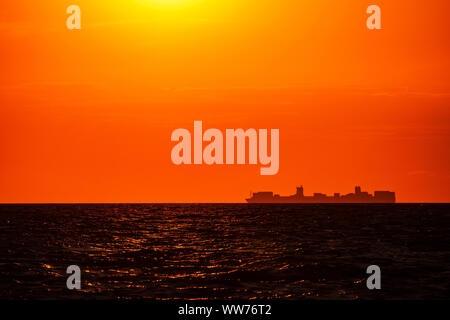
[
  {"x": 165, "y": 2},
  {"x": 170, "y": 5}
]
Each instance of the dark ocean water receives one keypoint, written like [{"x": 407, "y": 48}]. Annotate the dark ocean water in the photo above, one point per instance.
[{"x": 231, "y": 251}]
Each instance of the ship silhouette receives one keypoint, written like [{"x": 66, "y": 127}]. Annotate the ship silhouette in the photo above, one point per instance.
[{"x": 357, "y": 197}]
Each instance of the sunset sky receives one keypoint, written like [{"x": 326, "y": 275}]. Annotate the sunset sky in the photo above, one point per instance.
[{"x": 86, "y": 115}]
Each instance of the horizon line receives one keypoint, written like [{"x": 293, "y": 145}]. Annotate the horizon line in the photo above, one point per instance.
[{"x": 311, "y": 203}]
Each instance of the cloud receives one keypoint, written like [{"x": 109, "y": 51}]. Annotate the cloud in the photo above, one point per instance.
[{"x": 425, "y": 173}]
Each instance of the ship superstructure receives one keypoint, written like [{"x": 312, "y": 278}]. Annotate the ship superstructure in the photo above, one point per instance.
[{"x": 357, "y": 197}]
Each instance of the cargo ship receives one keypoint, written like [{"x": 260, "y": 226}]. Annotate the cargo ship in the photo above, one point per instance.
[{"x": 357, "y": 197}]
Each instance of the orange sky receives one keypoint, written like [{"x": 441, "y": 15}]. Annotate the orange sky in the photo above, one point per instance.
[{"x": 86, "y": 116}]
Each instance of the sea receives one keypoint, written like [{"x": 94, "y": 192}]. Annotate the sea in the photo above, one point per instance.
[{"x": 225, "y": 251}]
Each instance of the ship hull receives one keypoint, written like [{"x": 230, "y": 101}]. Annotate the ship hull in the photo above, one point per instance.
[{"x": 317, "y": 202}]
